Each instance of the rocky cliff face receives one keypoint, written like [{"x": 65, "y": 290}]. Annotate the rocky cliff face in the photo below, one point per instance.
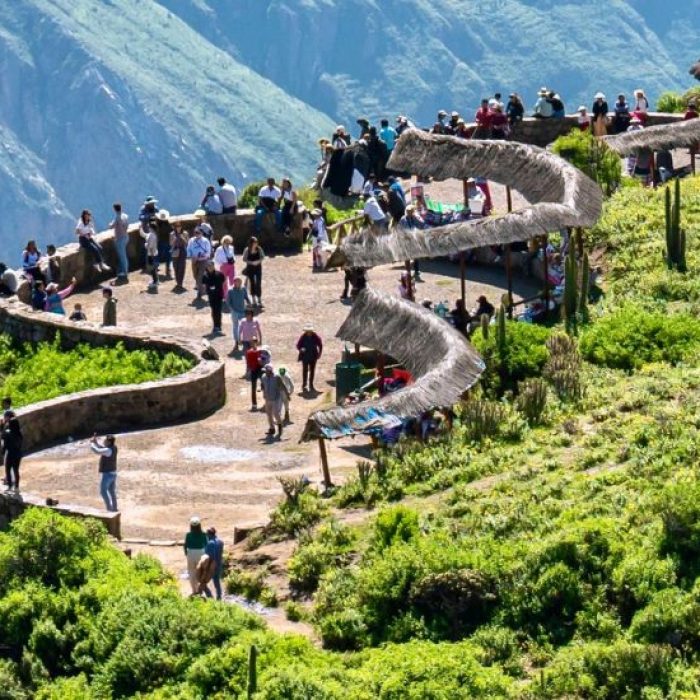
[
  {"x": 116, "y": 100},
  {"x": 348, "y": 57}
]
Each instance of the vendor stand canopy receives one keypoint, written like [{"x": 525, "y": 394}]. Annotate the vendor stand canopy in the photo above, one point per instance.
[
  {"x": 664, "y": 137},
  {"x": 442, "y": 362}
]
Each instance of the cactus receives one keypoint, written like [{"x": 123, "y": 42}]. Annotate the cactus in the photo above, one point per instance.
[
  {"x": 485, "y": 323},
  {"x": 563, "y": 368},
  {"x": 532, "y": 400},
  {"x": 252, "y": 671},
  {"x": 570, "y": 287},
  {"x": 480, "y": 418},
  {"x": 583, "y": 294},
  {"x": 501, "y": 330},
  {"x": 675, "y": 236}
]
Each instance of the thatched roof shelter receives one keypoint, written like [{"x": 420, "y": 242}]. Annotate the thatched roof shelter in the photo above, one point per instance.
[
  {"x": 664, "y": 137},
  {"x": 563, "y": 196},
  {"x": 443, "y": 364}
]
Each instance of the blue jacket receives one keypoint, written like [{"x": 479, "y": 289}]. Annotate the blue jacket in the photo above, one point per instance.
[{"x": 237, "y": 300}]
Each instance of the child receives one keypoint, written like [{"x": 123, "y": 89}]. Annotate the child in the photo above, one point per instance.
[
  {"x": 78, "y": 314},
  {"x": 150, "y": 235},
  {"x": 53, "y": 265},
  {"x": 109, "y": 310}
]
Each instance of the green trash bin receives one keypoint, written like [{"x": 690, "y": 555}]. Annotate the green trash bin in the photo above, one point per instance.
[{"x": 347, "y": 379}]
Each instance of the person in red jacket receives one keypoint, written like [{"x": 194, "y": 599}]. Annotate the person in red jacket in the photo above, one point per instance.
[
  {"x": 310, "y": 348},
  {"x": 254, "y": 367},
  {"x": 483, "y": 121}
]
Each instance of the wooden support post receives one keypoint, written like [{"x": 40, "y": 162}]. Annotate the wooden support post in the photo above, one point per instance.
[
  {"x": 324, "y": 464},
  {"x": 509, "y": 265},
  {"x": 462, "y": 278},
  {"x": 545, "y": 262},
  {"x": 411, "y": 295},
  {"x": 465, "y": 192}
]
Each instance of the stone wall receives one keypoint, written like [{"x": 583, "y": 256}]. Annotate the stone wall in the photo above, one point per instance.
[
  {"x": 540, "y": 132},
  {"x": 187, "y": 397},
  {"x": 76, "y": 262},
  {"x": 13, "y": 505}
]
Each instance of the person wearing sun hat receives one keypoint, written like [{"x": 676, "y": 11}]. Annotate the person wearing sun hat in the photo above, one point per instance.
[
  {"x": 543, "y": 107},
  {"x": 584, "y": 121},
  {"x": 195, "y": 544},
  {"x": 600, "y": 115}
]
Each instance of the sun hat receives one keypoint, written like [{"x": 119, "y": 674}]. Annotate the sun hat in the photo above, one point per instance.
[
  {"x": 581, "y": 108},
  {"x": 268, "y": 368},
  {"x": 599, "y": 96},
  {"x": 199, "y": 213},
  {"x": 163, "y": 215},
  {"x": 308, "y": 327},
  {"x": 194, "y": 520},
  {"x": 635, "y": 120},
  {"x": 455, "y": 114},
  {"x": 442, "y": 113},
  {"x": 316, "y": 212},
  {"x": 150, "y": 200}
]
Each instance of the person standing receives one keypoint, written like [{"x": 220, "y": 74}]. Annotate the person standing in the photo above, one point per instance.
[
  {"x": 225, "y": 258},
  {"x": 289, "y": 205},
  {"x": 253, "y": 256},
  {"x": 120, "y": 225},
  {"x": 287, "y": 395},
  {"x": 199, "y": 252},
  {"x": 150, "y": 235},
  {"x": 107, "y": 470},
  {"x": 319, "y": 235},
  {"x": 85, "y": 231},
  {"x": 600, "y": 115},
  {"x": 228, "y": 196},
  {"x": 273, "y": 390},
  {"x": 109, "y": 308},
  {"x": 11, "y": 447},
  {"x": 178, "y": 253},
  {"x": 238, "y": 300},
  {"x": 249, "y": 330},
  {"x": 195, "y": 544},
  {"x": 310, "y": 348},
  {"x": 254, "y": 365},
  {"x": 214, "y": 549},
  {"x": 388, "y": 134},
  {"x": 213, "y": 281}
]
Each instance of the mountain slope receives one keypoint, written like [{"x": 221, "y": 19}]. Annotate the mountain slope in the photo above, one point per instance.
[
  {"x": 348, "y": 57},
  {"x": 115, "y": 100}
]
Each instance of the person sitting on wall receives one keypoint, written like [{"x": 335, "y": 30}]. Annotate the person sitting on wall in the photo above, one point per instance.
[
  {"x": 500, "y": 128},
  {"x": 31, "y": 259},
  {"x": 52, "y": 266},
  {"x": 228, "y": 196},
  {"x": 515, "y": 110},
  {"x": 543, "y": 107},
  {"x": 38, "y": 296},
  {"x": 558, "y": 111},
  {"x": 583, "y": 119},
  {"x": 622, "y": 117},
  {"x": 55, "y": 297},
  {"x": 211, "y": 202},
  {"x": 641, "y": 106},
  {"x": 268, "y": 203},
  {"x": 8, "y": 281},
  {"x": 483, "y": 121},
  {"x": 691, "y": 112}
]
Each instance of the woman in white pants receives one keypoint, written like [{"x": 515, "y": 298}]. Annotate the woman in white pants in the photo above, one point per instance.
[{"x": 195, "y": 542}]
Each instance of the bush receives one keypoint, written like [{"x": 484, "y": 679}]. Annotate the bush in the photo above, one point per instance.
[
  {"x": 592, "y": 156},
  {"x": 632, "y": 336},
  {"x": 522, "y": 357},
  {"x": 395, "y": 524},
  {"x": 298, "y": 513},
  {"x": 248, "y": 199},
  {"x": 670, "y": 101}
]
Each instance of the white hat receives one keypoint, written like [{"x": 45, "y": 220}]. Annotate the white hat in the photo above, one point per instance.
[
  {"x": 194, "y": 520},
  {"x": 455, "y": 114},
  {"x": 268, "y": 368},
  {"x": 308, "y": 327},
  {"x": 582, "y": 108},
  {"x": 316, "y": 212},
  {"x": 200, "y": 213},
  {"x": 599, "y": 96},
  {"x": 163, "y": 215}
]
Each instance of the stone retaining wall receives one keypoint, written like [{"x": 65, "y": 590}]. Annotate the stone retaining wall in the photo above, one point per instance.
[
  {"x": 540, "y": 132},
  {"x": 13, "y": 505},
  {"x": 187, "y": 397}
]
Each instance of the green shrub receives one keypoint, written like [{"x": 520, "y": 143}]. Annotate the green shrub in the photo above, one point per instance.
[
  {"x": 248, "y": 198},
  {"x": 632, "y": 336},
  {"x": 395, "y": 524},
  {"x": 37, "y": 373},
  {"x": 670, "y": 101},
  {"x": 293, "y": 516},
  {"x": 592, "y": 156},
  {"x": 523, "y": 355}
]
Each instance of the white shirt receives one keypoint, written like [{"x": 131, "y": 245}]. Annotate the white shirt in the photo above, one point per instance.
[
  {"x": 289, "y": 195},
  {"x": 268, "y": 192},
  {"x": 373, "y": 210},
  {"x": 199, "y": 248},
  {"x": 228, "y": 196},
  {"x": 151, "y": 238},
  {"x": 83, "y": 229},
  {"x": 223, "y": 253}
]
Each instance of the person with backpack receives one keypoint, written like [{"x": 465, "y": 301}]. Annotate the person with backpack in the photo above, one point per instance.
[
  {"x": 31, "y": 259},
  {"x": 195, "y": 544},
  {"x": 396, "y": 198},
  {"x": 11, "y": 449}
]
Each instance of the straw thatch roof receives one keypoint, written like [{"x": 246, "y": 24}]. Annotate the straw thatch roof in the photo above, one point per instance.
[
  {"x": 563, "y": 196},
  {"x": 443, "y": 364},
  {"x": 664, "y": 137}
]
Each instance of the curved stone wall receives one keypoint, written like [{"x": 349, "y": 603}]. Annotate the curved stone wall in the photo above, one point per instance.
[{"x": 187, "y": 397}]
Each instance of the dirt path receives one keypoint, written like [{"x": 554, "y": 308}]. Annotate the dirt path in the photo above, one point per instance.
[{"x": 223, "y": 468}]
